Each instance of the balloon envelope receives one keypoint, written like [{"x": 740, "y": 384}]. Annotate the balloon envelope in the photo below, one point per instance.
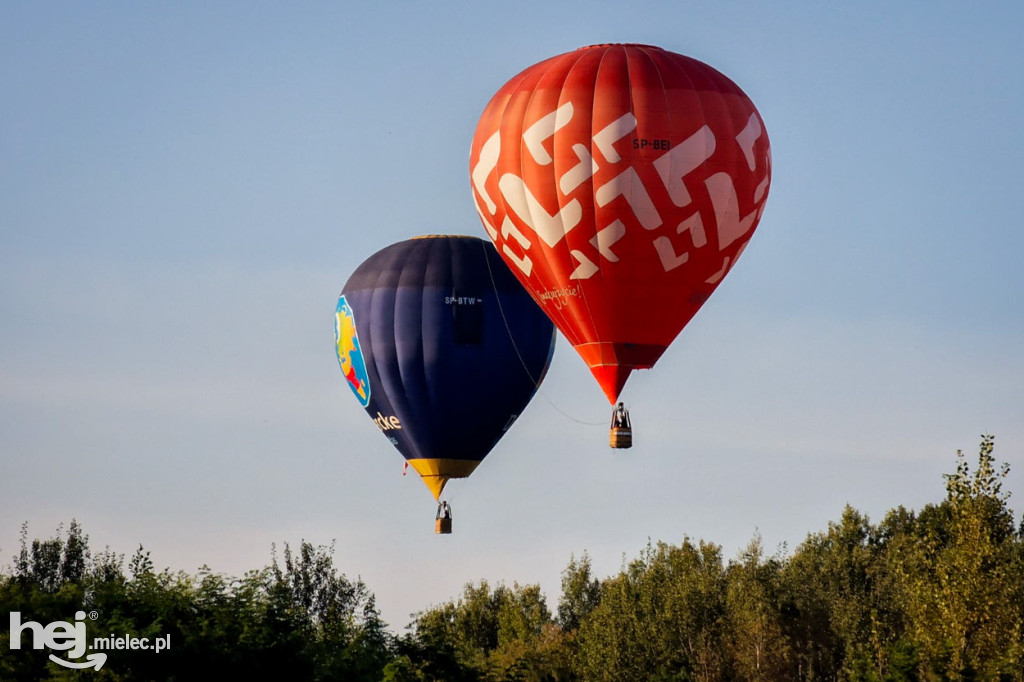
[
  {"x": 620, "y": 183},
  {"x": 443, "y": 348}
]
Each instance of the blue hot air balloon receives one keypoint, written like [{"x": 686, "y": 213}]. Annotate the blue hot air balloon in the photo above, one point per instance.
[{"x": 443, "y": 348}]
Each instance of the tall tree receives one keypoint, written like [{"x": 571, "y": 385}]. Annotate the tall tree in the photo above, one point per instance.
[
  {"x": 964, "y": 587},
  {"x": 758, "y": 645},
  {"x": 581, "y": 593},
  {"x": 495, "y": 634},
  {"x": 661, "y": 618}
]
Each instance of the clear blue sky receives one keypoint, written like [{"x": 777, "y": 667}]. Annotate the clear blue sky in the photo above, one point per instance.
[{"x": 185, "y": 187}]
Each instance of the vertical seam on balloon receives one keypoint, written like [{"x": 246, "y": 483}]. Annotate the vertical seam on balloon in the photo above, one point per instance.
[
  {"x": 592, "y": 331},
  {"x": 512, "y": 87},
  {"x": 703, "y": 119},
  {"x": 402, "y": 394},
  {"x": 407, "y": 380},
  {"x": 374, "y": 293},
  {"x": 608, "y": 276},
  {"x": 642, "y": 54},
  {"x": 520, "y": 127},
  {"x": 726, "y": 152},
  {"x": 662, "y": 59},
  {"x": 428, "y": 388},
  {"x": 569, "y": 314},
  {"x": 549, "y": 265}
]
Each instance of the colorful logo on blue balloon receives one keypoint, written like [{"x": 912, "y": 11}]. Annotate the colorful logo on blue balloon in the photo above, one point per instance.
[{"x": 350, "y": 353}]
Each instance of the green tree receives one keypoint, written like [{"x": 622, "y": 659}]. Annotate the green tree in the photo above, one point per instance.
[
  {"x": 759, "y": 648},
  {"x": 488, "y": 634},
  {"x": 840, "y": 618},
  {"x": 581, "y": 593},
  {"x": 963, "y": 588},
  {"x": 304, "y": 622},
  {"x": 936, "y": 594},
  {"x": 661, "y": 618}
]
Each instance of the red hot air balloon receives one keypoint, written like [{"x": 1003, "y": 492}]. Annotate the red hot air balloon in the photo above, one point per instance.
[{"x": 620, "y": 183}]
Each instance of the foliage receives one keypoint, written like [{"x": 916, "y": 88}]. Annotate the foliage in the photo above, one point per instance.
[
  {"x": 302, "y": 621},
  {"x": 920, "y": 596},
  {"x": 934, "y": 595},
  {"x": 487, "y": 634}
]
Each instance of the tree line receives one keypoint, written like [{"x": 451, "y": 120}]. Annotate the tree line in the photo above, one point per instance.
[{"x": 934, "y": 594}]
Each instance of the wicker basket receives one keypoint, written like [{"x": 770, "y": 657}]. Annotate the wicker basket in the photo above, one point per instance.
[{"x": 620, "y": 437}]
